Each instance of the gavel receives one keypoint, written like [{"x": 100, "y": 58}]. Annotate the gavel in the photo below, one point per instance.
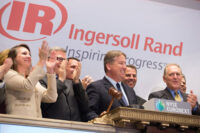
[{"x": 115, "y": 94}]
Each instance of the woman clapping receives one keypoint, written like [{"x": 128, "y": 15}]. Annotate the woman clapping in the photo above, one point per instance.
[{"x": 24, "y": 93}]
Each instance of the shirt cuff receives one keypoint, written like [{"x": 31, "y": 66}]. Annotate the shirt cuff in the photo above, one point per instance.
[
  {"x": 2, "y": 84},
  {"x": 195, "y": 108}
]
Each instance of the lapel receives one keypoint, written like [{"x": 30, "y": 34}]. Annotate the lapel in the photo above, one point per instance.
[
  {"x": 170, "y": 97},
  {"x": 107, "y": 85},
  {"x": 130, "y": 94},
  {"x": 69, "y": 86},
  {"x": 167, "y": 95},
  {"x": 184, "y": 95}
]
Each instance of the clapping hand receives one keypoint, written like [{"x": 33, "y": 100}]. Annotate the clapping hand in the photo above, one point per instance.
[
  {"x": 62, "y": 70},
  {"x": 43, "y": 53},
  {"x": 50, "y": 64},
  {"x": 192, "y": 99},
  {"x": 86, "y": 81},
  {"x": 76, "y": 73},
  {"x": 5, "y": 67}
]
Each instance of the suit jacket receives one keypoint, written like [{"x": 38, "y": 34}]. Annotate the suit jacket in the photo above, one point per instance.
[
  {"x": 2, "y": 92},
  {"x": 2, "y": 98},
  {"x": 165, "y": 94},
  {"x": 24, "y": 95},
  {"x": 71, "y": 103},
  {"x": 140, "y": 100},
  {"x": 99, "y": 99}
]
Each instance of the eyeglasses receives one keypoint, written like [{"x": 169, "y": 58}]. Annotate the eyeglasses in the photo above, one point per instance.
[{"x": 60, "y": 58}]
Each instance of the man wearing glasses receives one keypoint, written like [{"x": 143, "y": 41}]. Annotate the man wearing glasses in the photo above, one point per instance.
[{"x": 71, "y": 103}]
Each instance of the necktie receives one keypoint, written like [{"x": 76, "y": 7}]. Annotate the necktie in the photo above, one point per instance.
[
  {"x": 177, "y": 97},
  {"x": 123, "y": 98}
]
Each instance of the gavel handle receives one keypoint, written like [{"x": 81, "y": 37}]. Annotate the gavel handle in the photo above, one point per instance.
[{"x": 111, "y": 102}]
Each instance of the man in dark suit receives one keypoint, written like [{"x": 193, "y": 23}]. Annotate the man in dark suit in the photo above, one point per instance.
[
  {"x": 172, "y": 77},
  {"x": 130, "y": 79},
  {"x": 72, "y": 102},
  {"x": 114, "y": 67}
]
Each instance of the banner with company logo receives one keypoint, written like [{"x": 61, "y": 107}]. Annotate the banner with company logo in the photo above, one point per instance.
[{"x": 151, "y": 34}]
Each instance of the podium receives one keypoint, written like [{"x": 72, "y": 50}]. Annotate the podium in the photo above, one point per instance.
[
  {"x": 121, "y": 119},
  {"x": 17, "y": 124}
]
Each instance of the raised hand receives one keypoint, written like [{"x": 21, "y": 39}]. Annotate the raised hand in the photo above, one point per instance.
[
  {"x": 86, "y": 81},
  {"x": 192, "y": 99},
  {"x": 50, "y": 64},
  {"x": 76, "y": 73},
  {"x": 62, "y": 70},
  {"x": 5, "y": 67},
  {"x": 43, "y": 53}
]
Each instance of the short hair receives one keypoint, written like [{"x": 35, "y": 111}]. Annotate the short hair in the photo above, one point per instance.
[
  {"x": 110, "y": 55},
  {"x": 56, "y": 48},
  {"x": 165, "y": 70},
  {"x": 184, "y": 77},
  {"x": 132, "y": 66},
  {"x": 73, "y": 58},
  {"x": 3, "y": 55},
  {"x": 13, "y": 54}
]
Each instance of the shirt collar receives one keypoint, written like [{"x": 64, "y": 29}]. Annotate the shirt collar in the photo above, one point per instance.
[
  {"x": 173, "y": 92},
  {"x": 112, "y": 81}
]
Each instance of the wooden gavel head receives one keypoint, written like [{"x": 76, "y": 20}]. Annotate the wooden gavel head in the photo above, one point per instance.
[{"x": 114, "y": 93}]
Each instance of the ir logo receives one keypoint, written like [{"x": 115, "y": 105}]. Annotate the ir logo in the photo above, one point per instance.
[{"x": 23, "y": 19}]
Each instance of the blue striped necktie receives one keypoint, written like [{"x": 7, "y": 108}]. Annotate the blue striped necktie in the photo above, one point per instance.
[{"x": 123, "y": 98}]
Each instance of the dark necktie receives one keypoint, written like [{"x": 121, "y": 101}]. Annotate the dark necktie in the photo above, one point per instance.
[{"x": 123, "y": 98}]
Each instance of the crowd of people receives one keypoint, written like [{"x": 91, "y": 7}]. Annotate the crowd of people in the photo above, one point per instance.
[{"x": 59, "y": 93}]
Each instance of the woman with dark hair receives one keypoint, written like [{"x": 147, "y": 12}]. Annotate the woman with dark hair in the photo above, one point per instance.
[{"x": 24, "y": 93}]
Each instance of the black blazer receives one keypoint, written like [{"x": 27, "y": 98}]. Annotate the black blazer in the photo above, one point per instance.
[
  {"x": 140, "y": 100},
  {"x": 99, "y": 99},
  {"x": 165, "y": 94},
  {"x": 71, "y": 103},
  {"x": 2, "y": 98}
]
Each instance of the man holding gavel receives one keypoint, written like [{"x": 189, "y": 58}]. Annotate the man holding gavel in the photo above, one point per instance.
[{"x": 114, "y": 67}]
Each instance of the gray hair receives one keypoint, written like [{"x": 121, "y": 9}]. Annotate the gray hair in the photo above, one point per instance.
[
  {"x": 165, "y": 70},
  {"x": 56, "y": 48}
]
